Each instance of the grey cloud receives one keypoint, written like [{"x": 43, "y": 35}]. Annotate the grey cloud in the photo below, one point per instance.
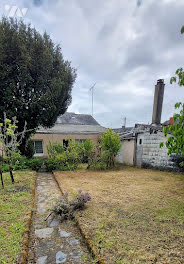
[{"x": 124, "y": 46}]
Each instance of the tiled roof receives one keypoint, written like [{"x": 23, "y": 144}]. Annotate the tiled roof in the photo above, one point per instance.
[{"x": 76, "y": 119}]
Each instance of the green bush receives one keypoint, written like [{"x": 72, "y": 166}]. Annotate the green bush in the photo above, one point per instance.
[
  {"x": 21, "y": 163},
  {"x": 98, "y": 164},
  {"x": 35, "y": 164},
  {"x": 86, "y": 151},
  {"x": 54, "y": 149},
  {"x": 29, "y": 149},
  {"x": 110, "y": 145},
  {"x": 5, "y": 168},
  {"x": 51, "y": 164},
  {"x": 62, "y": 159}
]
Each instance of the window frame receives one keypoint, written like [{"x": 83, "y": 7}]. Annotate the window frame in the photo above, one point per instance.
[{"x": 39, "y": 153}]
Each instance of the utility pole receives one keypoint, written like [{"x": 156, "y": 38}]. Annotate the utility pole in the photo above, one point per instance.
[{"x": 92, "y": 94}]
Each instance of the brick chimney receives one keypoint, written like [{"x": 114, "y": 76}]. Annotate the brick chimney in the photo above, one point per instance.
[
  {"x": 158, "y": 102},
  {"x": 171, "y": 121}
]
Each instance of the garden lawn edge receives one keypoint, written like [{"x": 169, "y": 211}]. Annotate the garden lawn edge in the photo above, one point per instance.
[
  {"x": 23, "y": 256},
  {"x": 89, "y": 244}
]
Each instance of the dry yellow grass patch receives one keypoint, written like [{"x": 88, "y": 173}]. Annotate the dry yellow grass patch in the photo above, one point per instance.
[{"x": 135, "y": 216}]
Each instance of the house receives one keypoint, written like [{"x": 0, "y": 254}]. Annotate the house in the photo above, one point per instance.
[
  {"x": 77, "y": 127},
  {"x": 140, "y": 145}
]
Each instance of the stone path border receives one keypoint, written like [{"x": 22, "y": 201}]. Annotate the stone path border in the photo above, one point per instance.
[{"x": 52, "y": 241}]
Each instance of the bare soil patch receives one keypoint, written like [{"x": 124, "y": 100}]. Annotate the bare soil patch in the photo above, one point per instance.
[{"x": 135, "y": 216}]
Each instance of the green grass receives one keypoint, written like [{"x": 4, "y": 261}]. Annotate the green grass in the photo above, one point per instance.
[{"x": 15, "y": 202}]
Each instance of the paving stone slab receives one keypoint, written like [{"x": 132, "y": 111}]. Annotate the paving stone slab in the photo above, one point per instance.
[
  {"x": 42, "y": 260},
  {"x": 44, "y": 233},
  {"x": 61, "y": 257},
  {"x": 64, "y": 233}
]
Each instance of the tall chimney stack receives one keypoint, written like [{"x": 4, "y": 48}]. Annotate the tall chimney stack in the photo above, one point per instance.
[{"x": 158, "y": 102}]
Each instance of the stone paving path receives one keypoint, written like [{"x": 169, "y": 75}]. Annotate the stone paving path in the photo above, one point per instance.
[{"x": 52, "y": 241}]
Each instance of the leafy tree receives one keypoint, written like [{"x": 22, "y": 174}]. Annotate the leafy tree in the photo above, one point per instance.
[
  {"x": 35, "y": 81},
  {"x": 10, "y": 139},
  {"x": 110, "y": 144},
  {"x": 87, "y": 150},
  {"x": 175, "y": 142}
]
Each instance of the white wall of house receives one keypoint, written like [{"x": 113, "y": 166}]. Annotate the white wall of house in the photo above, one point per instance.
[{"x": 126, "y": 154}]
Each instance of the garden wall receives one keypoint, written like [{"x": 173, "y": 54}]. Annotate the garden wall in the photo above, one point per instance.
[{"x": 149, "y": 153}]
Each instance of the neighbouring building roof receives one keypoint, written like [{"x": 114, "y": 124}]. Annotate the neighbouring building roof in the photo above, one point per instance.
[
  {"x": 71, "y": 123},
  {"x": 76, "y": 119},
  {"x": 122, "y": 129}
]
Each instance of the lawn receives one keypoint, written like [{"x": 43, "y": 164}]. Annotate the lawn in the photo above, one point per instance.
[
  {"x": 135, "y": 216},
  {"x": 15, "y": 202}
]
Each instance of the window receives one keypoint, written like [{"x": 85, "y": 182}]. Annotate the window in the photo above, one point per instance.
[
  {"x": 65, "y": 144},
  {"x": 140, "y": 141},
  {"x": 38, "y": 145},
  {"x": 80, "y": 140}
]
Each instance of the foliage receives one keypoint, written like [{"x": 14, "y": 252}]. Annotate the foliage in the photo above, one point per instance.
[
  {"x": 98, "y": 163},
  {"x": 175, "y": 142},
  {"x": 54, "y": 149},
  {"x": 35, "y": 164},
  {"x": 110, "y": 144},
  {"x": 36, "y": 81},
  {"x": 51, "y": 164},
  {"x": 29, "y": 149},
  {"x": 72, "y": 153},
  {"x": 10, "y": 139},
  {"x": 87, "y": 150},
  {"x": 66, "y": 208},
  {"x": 63, "y": 159}
]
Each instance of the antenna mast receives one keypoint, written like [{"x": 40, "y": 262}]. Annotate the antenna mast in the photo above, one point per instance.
[{"x": 92, "y": 93}]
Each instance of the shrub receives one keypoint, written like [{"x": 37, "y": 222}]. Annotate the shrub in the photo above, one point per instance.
[
  {"x": 98, "y": 163},
  {"x": 51, "y": 164},
  {"x": 62, "y": 159},
  {"x": 54, "y": 149},
  {"x": 73, "y": 154},
  {"x": 21, "y": 163},
  {"x": 29, "y": 149},
  {"x": 5, "y": 167},
  {"x": 110, "y": 144},
  {"x": 86, "y": 150},
  {"x": 35, "y": 164},
  {"x": 66, "y": 208}
]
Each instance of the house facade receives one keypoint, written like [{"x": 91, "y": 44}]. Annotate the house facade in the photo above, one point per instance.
[{"x": 73, "y": 126}]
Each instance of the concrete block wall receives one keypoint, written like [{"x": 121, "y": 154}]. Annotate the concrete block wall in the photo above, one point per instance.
[{"x": 152, "y": 154}]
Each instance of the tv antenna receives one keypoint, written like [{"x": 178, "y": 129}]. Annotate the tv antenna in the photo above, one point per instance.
[
  {"x": 92, "y": 97},
  {"x": 124, "y": 121}
]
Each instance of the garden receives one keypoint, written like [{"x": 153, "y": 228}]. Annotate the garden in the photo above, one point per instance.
[{"x": 134, "y": 216}]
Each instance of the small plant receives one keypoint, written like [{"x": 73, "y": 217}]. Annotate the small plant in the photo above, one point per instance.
[
  {"x": 66, "y": 208},
  {"x": 51, "y": 164},
  {"x": 54, "y": 149},
  {"x": 35, "y": 164}
]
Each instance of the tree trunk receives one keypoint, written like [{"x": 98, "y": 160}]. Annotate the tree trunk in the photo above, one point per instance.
[
  {"x": 2, "y": 179},
  {"x": 11, "y": 174}
]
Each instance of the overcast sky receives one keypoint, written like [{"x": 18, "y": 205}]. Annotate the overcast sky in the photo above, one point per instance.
[{"x": 122, "y": 45}]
